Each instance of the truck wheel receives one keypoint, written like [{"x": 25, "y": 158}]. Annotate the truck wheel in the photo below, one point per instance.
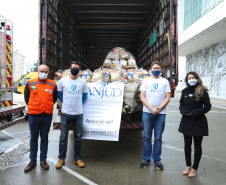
[{"x": 17, "y": 115}]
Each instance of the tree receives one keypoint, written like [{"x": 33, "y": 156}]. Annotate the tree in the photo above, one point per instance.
[
  {"x": 35, "y": 68},
  {"x": 20, "y": 79}
]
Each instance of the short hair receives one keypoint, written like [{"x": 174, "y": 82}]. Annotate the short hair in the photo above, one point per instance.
[
  {"x": 155, "y": 62},
  {"x": 75, "y": 62}
]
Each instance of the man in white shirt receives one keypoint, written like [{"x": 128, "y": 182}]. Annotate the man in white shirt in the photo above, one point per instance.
[
  {"x": 155, "y": 95},
  {"x": 72, "y": 91}
]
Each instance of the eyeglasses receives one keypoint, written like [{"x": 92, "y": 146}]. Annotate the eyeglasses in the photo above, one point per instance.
[{"x": 43, "y": 71}]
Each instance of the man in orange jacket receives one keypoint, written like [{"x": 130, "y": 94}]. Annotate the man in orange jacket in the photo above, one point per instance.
[{"x": 40, "y": 94}]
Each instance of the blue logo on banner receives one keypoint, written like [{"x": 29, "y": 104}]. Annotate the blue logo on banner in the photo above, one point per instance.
[
  {"x": 73, "y": 87},
  {"x": 155, "y": 85},
  {"x": 104, "y": 84}
]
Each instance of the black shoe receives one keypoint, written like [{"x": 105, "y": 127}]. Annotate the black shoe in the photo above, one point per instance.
[
  {"x": 30, "y": 166},
  {"x": 144, "y": 164},
  {"x": 159, "y": 166}
]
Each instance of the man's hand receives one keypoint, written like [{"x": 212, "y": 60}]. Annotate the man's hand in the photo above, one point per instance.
[{"x": 154, "y": 111}]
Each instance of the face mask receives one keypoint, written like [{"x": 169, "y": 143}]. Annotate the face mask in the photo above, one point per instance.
[
  {"x": 156, "y": 73},
  {"x": 42, "y": 76},
  {"x": 192, "y": 82},
  {"x": 74, "y": 71}
]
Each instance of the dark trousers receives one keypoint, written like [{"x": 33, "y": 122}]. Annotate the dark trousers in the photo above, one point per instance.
[
  {"x": 197, "y": 150},
  {"x": 77, "y": 121},
  {"x": 39, "y": 126}
]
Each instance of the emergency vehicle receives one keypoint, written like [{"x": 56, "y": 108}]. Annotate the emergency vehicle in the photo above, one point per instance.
[{"x": 10, "y": 114}]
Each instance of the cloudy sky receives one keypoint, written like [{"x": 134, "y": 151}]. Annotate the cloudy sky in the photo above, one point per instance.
[{"x": 24, "y": 14}]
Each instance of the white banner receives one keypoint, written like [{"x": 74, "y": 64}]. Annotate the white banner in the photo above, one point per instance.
[{"x": 102, "y": 111}]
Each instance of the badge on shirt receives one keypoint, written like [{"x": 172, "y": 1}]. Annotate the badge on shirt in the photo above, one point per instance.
[
  {"x": 33, "y": 88},
  {"x": 50, "y": 91}
]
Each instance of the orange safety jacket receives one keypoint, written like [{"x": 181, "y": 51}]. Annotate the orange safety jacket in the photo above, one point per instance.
[{"x": 41, "y": 96}]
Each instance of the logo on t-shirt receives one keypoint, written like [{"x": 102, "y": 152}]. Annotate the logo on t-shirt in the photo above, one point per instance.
[
  {"x": 73, "y": 87},
  {"x": 73, "y": 90},
  {"x": 155, "y": 85}
]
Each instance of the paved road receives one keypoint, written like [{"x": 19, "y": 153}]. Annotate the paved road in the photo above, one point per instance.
[{"x": 111, "y": 163}]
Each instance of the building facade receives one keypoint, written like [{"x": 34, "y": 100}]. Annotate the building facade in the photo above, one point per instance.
[
  {"x": 18, "y": 65},
  {"x": 202, "y": 42}
]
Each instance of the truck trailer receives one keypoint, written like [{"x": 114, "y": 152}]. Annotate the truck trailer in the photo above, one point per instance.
[{"x": 86, "y": 31}]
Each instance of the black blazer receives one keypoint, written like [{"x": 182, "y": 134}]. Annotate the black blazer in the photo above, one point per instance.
[{"x": 195, "y": 123}]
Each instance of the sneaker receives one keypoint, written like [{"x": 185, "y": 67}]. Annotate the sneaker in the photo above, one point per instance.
[
  {"x": 144, "y": 164},
  {"x": 159, "y": 166},
  {"x": 80, "y": 163}
]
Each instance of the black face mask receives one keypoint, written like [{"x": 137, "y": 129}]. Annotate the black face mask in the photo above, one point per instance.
[{"x": 74, "y": 71}]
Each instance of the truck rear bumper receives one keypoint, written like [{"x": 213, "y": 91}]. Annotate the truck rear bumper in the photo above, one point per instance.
[
  {"x": 13, "y": 122},
  {"x": 133, "y": 125}
]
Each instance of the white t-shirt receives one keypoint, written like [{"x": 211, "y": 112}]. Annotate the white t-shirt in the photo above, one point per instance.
[
  {"x": 72, "y": 94},
  {"x": 155, "y": 92}
]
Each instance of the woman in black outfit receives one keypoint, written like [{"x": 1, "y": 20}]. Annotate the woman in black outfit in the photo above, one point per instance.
[{"x": 194, "y": 103}]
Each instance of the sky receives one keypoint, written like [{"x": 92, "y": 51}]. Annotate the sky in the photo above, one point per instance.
[{"x": 24, "y": 14}]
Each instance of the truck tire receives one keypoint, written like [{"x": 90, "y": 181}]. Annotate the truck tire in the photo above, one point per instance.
[{"x": 17, "y": 115}]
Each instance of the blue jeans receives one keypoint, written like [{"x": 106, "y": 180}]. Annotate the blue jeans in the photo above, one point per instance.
[
  {"x": 39, "y": 125},
  {"x": 150, "y": 122},
  {"x": 77, "y": 121}
]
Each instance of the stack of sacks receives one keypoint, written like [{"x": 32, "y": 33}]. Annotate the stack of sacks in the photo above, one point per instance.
[
  {"x": 130, "y": 76},
  {"x": 87, "y": 75},
  {"x": 119, "y": 58},
  {"x": 132, "y": 63},
  {"x": 106, "y": 76},
  {"x": 109, "y": 75},
  {"x": 58, "y": 75},
  {"x": 113, "y": 55},
  {"x": 124, "y": 76},
  {"x": 107, "y": 64},
  {"x": 146, "y": 73},
  {"x": 139, "y": 76},
  {"x": 123, "y": 63},
  {"x": 126, "y": 55},
  {"x": 97, "y": 76},
  {"x": 66, "y": 73},
  {"x": 116, "y": 76}
]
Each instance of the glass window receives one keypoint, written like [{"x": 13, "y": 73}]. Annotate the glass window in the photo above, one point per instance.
[
  {"x": 194, "y": 9},
  {"x": 26, "y": 80},
  {"x": 22, "y": 82}
]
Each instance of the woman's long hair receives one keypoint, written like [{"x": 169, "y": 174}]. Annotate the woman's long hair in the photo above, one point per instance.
[{"x": 199, "y": 88}]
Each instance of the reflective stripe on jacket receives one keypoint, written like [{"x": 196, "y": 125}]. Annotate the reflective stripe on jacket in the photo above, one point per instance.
[{"x": 41, "y": 96}]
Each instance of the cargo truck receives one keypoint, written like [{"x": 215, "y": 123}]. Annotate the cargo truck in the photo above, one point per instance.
[{"x": 86, "y": 31}]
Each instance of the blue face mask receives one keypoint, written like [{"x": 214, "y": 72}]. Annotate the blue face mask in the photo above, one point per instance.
[{"x": 156, "y": 73}]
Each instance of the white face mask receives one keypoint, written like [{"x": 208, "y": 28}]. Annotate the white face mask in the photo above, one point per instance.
[
  {"x": 192, "y": 82},
  {"x": 42, "y": 76}
]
